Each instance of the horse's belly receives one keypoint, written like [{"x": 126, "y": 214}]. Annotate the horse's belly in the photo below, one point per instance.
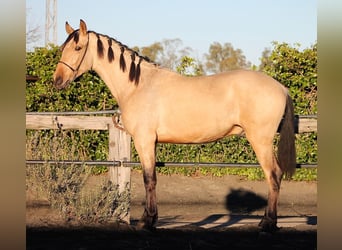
[{"x": 195, "y": 134}]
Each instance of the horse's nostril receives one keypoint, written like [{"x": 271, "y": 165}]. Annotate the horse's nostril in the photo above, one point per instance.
[{"x": 58, "y": 81}]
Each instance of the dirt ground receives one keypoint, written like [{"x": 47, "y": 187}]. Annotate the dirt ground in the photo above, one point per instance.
[{"x": 194, "y": 213}]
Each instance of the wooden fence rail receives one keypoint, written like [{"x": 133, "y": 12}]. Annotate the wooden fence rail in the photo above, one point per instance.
[
  {"x": 303, "y": 124},
  {"x": 119, "y": 140}
]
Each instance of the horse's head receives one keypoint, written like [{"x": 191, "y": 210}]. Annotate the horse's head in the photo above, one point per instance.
[{"x": 75, "y": 59}]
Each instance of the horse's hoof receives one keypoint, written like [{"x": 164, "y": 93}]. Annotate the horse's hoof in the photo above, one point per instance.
[
  {"x": 147, "y": 222},
  {"x": 269, "y": 229},
  {"x": 268, "y": 225}
]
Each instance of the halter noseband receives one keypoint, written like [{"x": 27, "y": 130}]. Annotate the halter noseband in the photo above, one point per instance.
[{"x": 78, "y": 67}]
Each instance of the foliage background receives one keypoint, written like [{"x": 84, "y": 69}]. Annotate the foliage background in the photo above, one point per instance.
[{"x": 295, "y": 68}]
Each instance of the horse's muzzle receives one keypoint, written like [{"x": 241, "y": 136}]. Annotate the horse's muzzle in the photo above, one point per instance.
[{"x": 59, "y": 84}]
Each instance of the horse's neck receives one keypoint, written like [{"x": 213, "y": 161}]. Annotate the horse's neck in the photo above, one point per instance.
[
  {"x": 116, "y": 79},
  {"x": 110, "y": 76},
  {"x": 112, "y": 73}
]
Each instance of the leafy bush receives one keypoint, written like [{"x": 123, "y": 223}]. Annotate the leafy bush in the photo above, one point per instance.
[{"x": 297, "y": 70}]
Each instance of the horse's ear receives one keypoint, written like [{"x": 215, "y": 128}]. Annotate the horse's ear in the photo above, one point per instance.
[
  {"x": 68, "y": 28},
  {"x": 83, "y": 27}
]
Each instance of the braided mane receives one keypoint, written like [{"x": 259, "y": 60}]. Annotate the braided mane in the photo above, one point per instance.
[{"x": 134, "y": 71}]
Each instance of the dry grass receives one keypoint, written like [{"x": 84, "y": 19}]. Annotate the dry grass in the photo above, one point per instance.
[{"x": 65, "y": 186}]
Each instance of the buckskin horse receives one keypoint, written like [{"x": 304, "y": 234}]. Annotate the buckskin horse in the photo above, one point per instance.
[{"x": 160, "y": 106}]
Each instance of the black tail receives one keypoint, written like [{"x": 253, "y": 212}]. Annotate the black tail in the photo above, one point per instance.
[{"x": 286, "y": 146}]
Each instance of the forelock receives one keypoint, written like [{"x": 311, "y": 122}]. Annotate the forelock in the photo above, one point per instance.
[{"x": 75, "y": 35}]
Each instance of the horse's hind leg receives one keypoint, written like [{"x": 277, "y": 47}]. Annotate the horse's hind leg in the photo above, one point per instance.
[
  {"x": 146, "y": 151},
  {"x": 264, "y": 151}
]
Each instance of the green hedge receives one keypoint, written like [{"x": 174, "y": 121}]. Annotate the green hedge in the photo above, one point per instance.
[{"x": 297, "y": 70}]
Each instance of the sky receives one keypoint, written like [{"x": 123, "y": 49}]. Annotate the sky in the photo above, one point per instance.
[{"x": 249, "y": 25}]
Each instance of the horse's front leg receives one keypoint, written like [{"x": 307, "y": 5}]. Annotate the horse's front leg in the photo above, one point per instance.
[{"x": 146, "y": 151}]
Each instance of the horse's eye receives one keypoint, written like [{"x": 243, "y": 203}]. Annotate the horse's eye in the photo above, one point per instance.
[{"x": 77, "y": 48}]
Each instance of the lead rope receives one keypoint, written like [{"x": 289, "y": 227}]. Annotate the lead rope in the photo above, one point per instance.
[
  {"x": 58, "y": 140},
  {"x": 117, "y": 122}
]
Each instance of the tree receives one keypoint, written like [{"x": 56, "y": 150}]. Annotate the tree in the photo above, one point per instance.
[
  {"x": 151, "y": 51},
  {"x": 173, "y": 52},
  {"x": 189, "y": 67},
  {"x": 168, "y": 53},
  {"x": 224, "y": 57},
  {"x": 33, "y": 32},
  {"x": 265, "y": 58}
]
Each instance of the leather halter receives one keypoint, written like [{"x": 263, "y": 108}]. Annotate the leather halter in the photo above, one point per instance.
[{"x": 78, "y": 67}]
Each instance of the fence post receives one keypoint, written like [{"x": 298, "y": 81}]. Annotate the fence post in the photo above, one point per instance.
[{"x": 120, "y": 150}]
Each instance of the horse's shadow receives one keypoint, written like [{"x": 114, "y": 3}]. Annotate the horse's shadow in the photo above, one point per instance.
[
  {"x": 240, "y": 204},
  {"x": 241, "y": 201}
]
